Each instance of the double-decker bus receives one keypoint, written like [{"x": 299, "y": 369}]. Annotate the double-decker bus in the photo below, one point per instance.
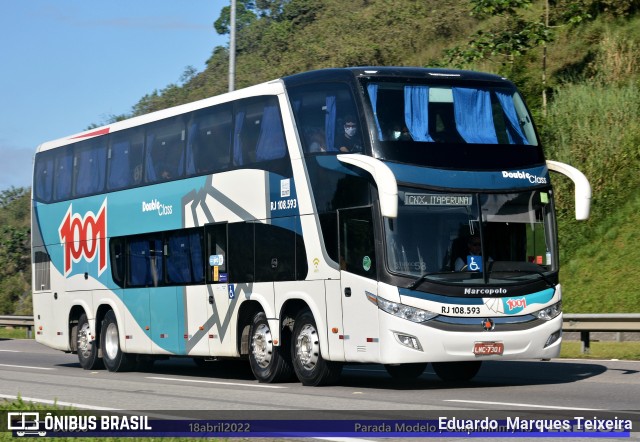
[{"x": 397, "y": 216}]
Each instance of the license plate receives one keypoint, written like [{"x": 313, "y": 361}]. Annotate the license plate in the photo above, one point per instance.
[{"x": 488, "y": 348}]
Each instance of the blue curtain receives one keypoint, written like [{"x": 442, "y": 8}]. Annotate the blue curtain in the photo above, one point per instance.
[
  {"x": 191, "y": 140},
  {"x": 373, "y": 95},
  {"x": 474, "y": 116},
  {"x": 178, "y": 263},
  {"x": 149, "y": 166},
  {"x": 91, "y": 166},
  {"x": 44, "y": 177},
  {"x": 237, "y": 142},
  {"x": 330, "y": 123},
  {"x": 516, "y": 136},
  {"x": 139, "y": 260},
  {"x": 416, "y": 112},
  {"x": 195, "y": 241},
  {"x": 119, "y": 165},
  {"x": 63, "y": 174},
  {"x": 271, "y": 144}
]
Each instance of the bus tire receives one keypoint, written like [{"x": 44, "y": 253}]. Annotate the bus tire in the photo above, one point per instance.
[
  {"x": 112, "y": 355},
  {"x": 309, "y": 365},
  {"x": 456, "y": 371},
  {"x": 406, "y": 371},
  {"x": 86, "y": 346},
  {"x": 268, "y": 362}
]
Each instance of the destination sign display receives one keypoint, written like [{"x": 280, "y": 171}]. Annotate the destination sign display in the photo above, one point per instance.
[{"x": 437, "y": 199}]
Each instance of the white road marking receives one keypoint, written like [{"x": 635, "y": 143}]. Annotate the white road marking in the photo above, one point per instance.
[
  {"x": 512, "y": 404},
  {"x": 12, "y": 351},
  {"x": 215, "y": 382},
  {"x": 27, "y": 366},
  {"x": 59, "y": 403}
]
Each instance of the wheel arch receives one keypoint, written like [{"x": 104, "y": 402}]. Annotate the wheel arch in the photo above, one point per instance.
[
  {"x": 74, "y": 317},
  {"x": 293, "y": 306},
  {"x": 246, "y": 312},
  {"x": 103, "y": 309}
]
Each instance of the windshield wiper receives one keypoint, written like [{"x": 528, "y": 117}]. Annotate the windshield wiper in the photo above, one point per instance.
[{"x": 418, "y": 281}]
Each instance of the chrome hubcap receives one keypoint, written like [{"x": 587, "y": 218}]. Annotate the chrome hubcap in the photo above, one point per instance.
[
  {"x": 262, "y": 345},
  {"x": 308, "y": 347},
  {"x": 84, "y": 341},
  {"x": 111, "y": 344}
]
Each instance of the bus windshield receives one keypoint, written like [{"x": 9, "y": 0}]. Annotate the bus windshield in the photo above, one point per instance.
[
  {"x": 471, "y": 238},
  {"x": 413, "y": 120}
]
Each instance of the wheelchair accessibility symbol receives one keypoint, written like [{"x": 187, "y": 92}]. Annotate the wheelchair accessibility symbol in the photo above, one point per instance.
[{"x": 474, "y": 263}]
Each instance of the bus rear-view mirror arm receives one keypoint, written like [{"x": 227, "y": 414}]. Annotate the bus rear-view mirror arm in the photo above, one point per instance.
[
  {"x": 384, "y": 178},
  {"x": 582, "y": 187}
]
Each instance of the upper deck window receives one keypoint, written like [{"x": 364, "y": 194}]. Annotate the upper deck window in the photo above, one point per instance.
[
  {"x": 327, "y": 118},
  {"x": 463, "y": 125},
  {"x": 450, "y": 114}
]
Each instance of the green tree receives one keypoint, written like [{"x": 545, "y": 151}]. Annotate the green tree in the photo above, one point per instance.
[
  {"x": 512, "y": 34},
  {"x": 245, "y": 15},
  {"x": 15, "y": 258}
]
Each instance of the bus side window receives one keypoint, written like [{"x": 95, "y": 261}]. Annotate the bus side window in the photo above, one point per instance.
[
  {"x": 124, "y": 159},
  {"x": 90, "y": 166},
  {"x": 357, "y": 247},
  {"x": 63, "y": 173},
  {"x": 275, "y": 251},
  {"x": 42, "y": 269},
  {"x": 184, "y": 257},
  {"x": 164, "y": 154},
  {"x": 209, "y": 140},
  {"x": 241, "y": 252},
  {"x": 146, "y": 265},
  {"x": 117, "y": 255},
  {"x": 320, "y": 110},
  {"x": 43, "y": 177}
]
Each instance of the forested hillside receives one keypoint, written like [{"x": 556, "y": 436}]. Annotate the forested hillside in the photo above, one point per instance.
[
  {"x": 576, "y": 61},
  {"x": 15, "y": 241}
]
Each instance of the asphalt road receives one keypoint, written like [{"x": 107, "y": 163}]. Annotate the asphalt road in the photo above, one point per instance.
[{"x": 177, "y": 386}]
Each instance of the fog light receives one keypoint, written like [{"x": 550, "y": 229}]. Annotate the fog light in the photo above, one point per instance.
[
  {"x": 408, "y": 341},
  {"x": 553, "y": 337}
]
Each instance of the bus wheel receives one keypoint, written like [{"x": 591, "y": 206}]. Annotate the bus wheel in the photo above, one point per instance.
[
  {"x": 113, "y": 356},
  {"x": 87, "y": 348},
  {"x": 268, "y": 362},
  {"x": 456, "y": 371},
  {"x": 406, "y": 371},
  {"x": 310, "y": 367}
]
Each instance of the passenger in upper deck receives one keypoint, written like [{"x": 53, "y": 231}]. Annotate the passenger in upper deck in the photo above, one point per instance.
[
  {"x": 349, "y": 141},
  {"x": 317, "y": 141},
  {"x": 400, "y": 133}
]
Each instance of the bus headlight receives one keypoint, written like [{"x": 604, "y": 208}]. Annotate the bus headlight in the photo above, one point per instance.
[
  {"x": 548, "y": 313},
  {"x": 400, "y": 310}
]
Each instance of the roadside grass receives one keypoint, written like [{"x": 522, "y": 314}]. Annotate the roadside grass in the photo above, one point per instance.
[
  {"x": 13, "y": 333},
  {"x": 602, "y": 350}
]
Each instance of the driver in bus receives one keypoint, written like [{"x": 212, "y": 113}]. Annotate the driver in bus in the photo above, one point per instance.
[{"x": 474, "y": 251}]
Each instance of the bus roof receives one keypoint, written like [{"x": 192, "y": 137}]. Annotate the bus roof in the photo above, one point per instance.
[
  {"x": 391, "y": 71},
  {"x": 268, "y": 88}
]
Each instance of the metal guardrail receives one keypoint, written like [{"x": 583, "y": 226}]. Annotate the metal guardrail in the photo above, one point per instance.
[
  {"x": 585, "y": 323},
  {"x": 18, "y": 321}
]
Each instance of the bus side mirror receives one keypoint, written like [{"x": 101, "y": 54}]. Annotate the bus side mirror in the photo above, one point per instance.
[
  {"x": 582, "y": 187},
  {"x": 384, "y": 178}
]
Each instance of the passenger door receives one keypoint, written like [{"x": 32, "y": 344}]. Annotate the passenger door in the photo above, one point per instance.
[{"x": 358, "y": 280}]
